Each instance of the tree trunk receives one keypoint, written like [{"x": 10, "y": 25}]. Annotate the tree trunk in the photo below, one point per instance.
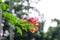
[
  {"x": 0, "y": 22},
  {"x": 11, "y": 34},
  {"x": 11, "y": 29}
]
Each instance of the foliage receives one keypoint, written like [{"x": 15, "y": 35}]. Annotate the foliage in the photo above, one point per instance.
[
  {"x": 23, "y": 27},
  {"x": 53, "y": 32},
  {"x": 19, "y": 30},
  {"x": 4, "y": 6},
  {"x": 0, "y": 0},
  {"x": 12, "y": 20}
]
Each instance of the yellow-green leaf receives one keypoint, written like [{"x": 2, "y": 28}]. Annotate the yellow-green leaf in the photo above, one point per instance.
[
  {"x": 0, "y": 0},
  {"x": 4, "y": 6},
  {"x": 19, "y": 30}
]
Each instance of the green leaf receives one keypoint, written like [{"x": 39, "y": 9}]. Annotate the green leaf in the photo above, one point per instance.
[
  {"x": 26, "y": 29},
  {"x": 19, "y": 30},
  {"x": 19, "y": 21},
  {"x": 12, "y": 19},
  {"x": 0, "y": 0},
  {"x": 4, "y": 6},
  {"x": 31, "y": 27}
]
